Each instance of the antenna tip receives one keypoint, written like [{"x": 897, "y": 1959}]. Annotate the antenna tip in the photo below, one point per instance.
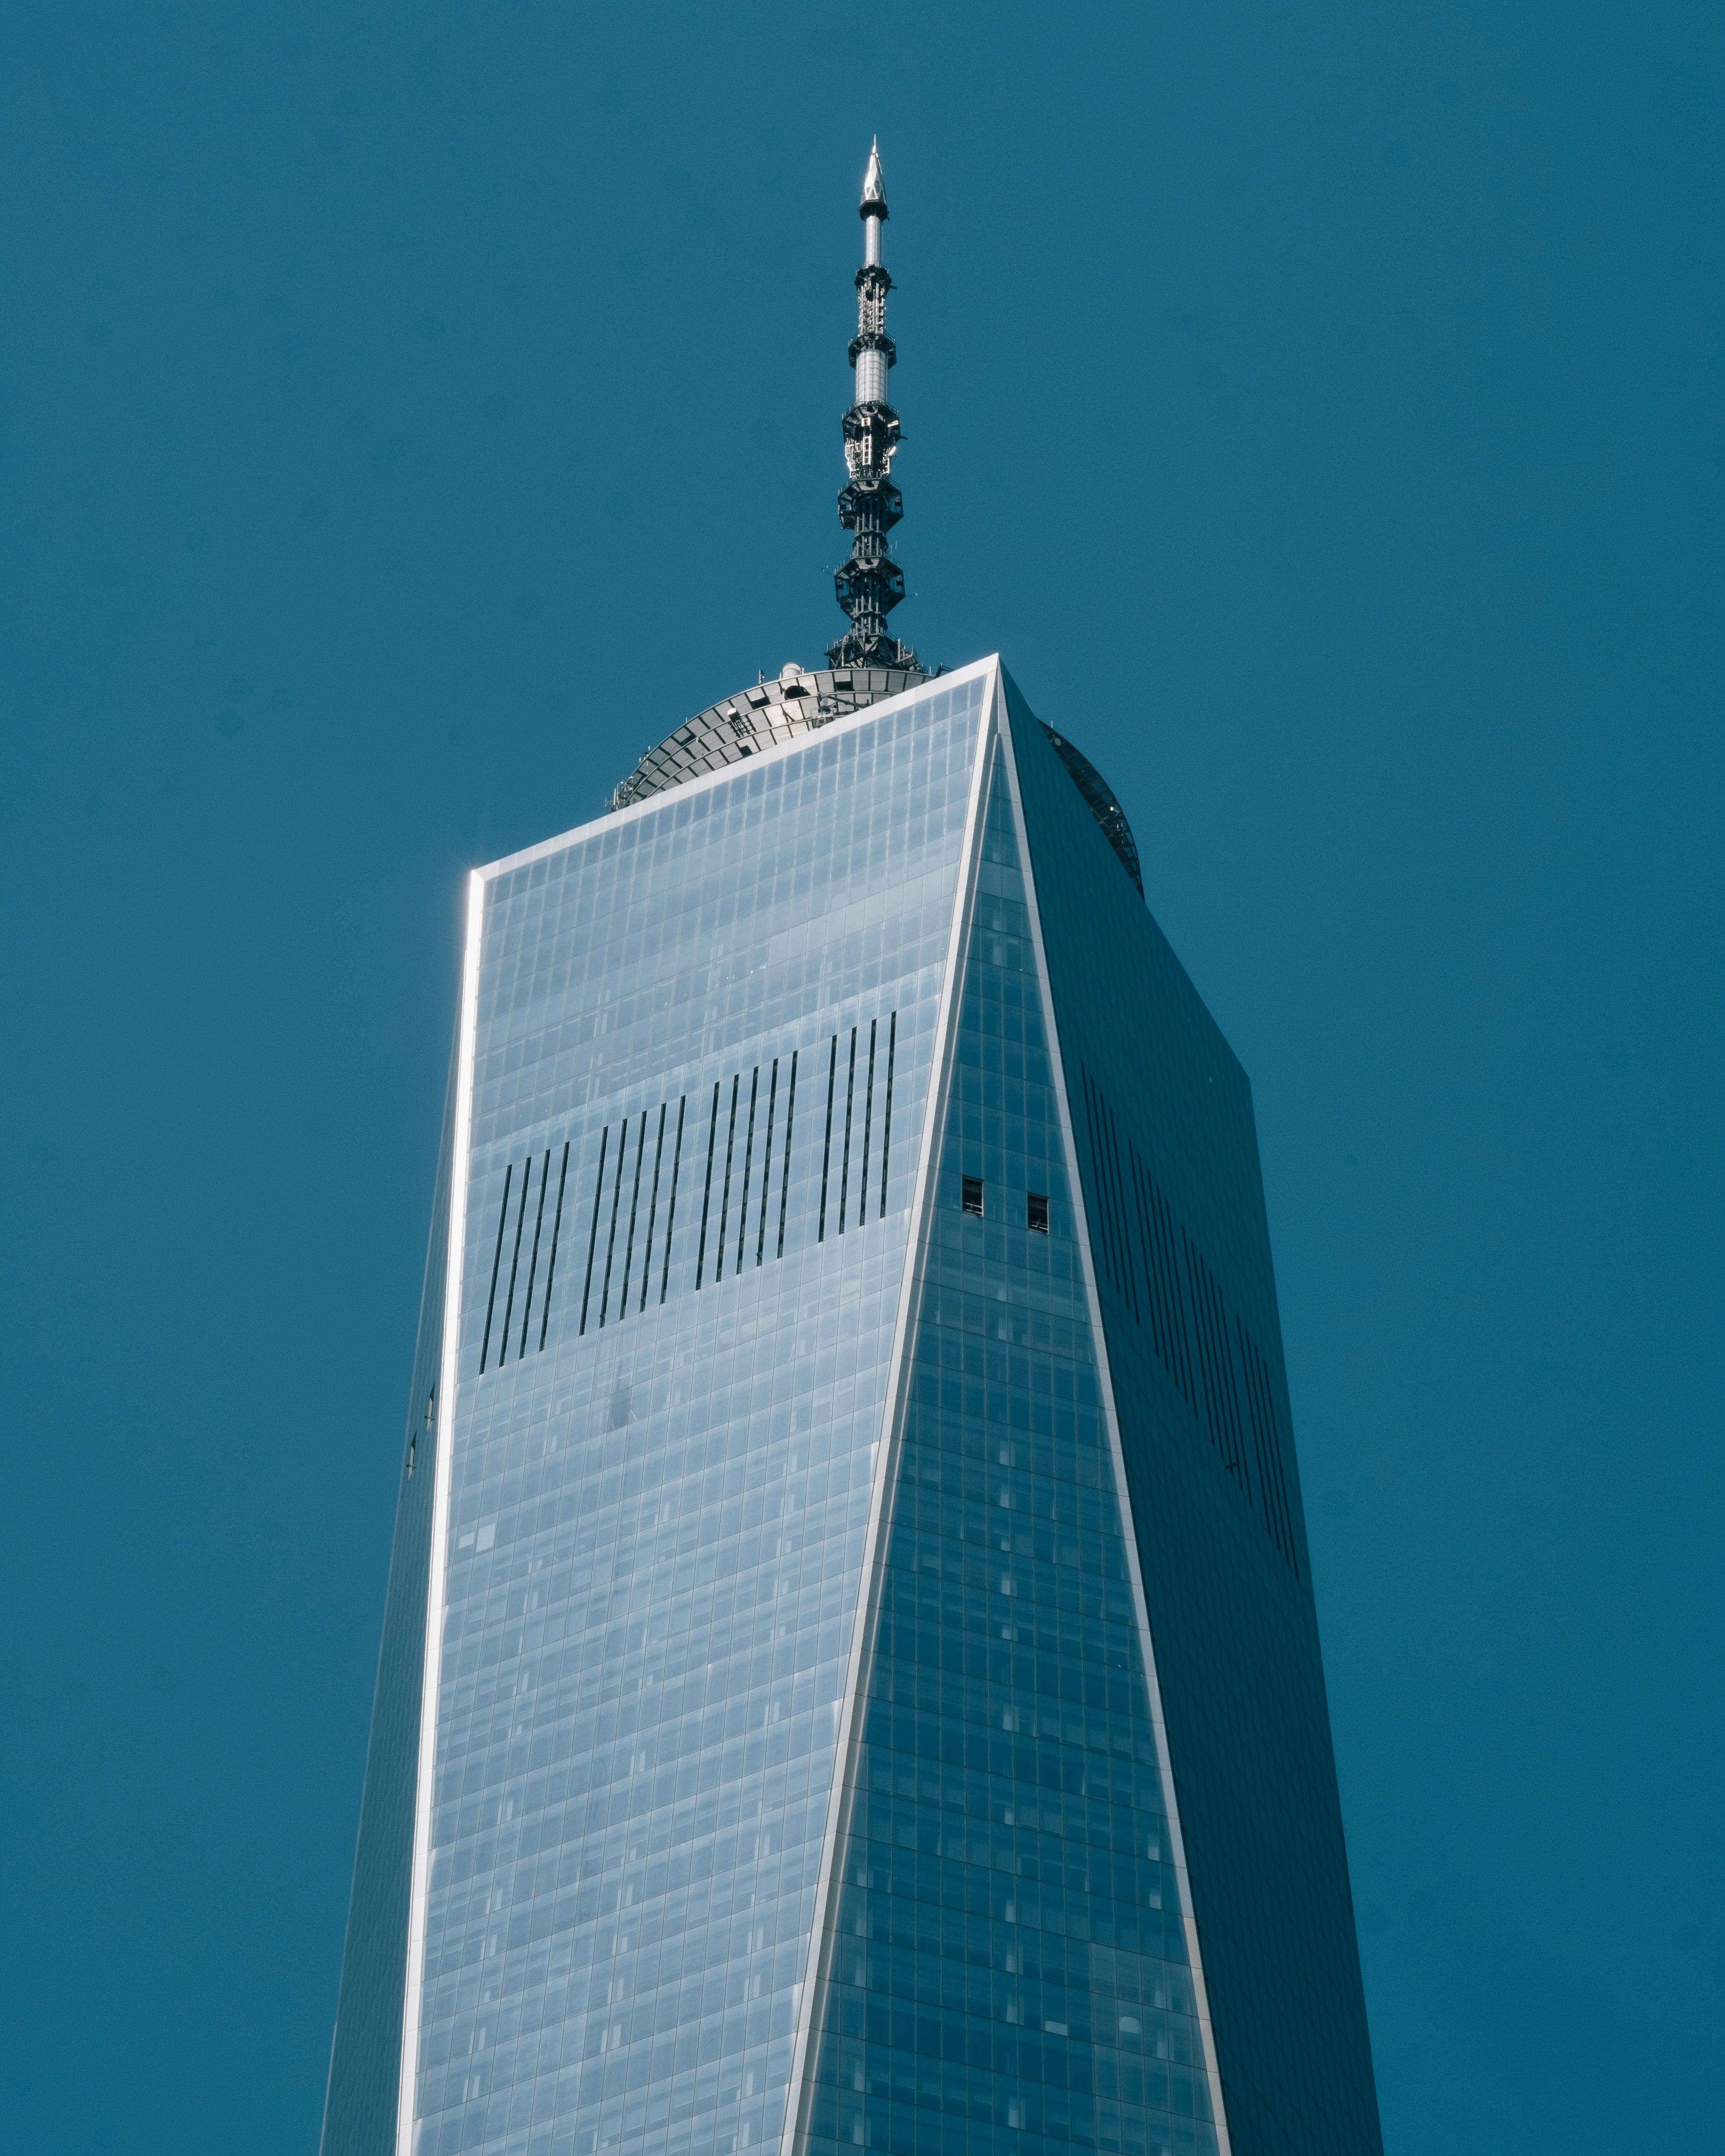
[{"x": 873, "y": 194}]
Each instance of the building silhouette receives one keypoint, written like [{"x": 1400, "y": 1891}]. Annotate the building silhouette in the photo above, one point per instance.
[{"x": 851, "y": 1676}]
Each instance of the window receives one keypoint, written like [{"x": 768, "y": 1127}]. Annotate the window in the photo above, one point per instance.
[
  {"x": 974, "y": 1195},
  {"x": 1036, "y": 1211}
]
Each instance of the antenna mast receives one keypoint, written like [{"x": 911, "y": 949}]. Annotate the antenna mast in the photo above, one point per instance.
[{"x": 870, "y": 584}]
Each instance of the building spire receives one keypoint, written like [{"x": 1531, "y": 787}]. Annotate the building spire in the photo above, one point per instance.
[{"x": 870, "y": 584}]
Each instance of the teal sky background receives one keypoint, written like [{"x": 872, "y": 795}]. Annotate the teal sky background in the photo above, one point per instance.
[{"x": 408, "y": 413}]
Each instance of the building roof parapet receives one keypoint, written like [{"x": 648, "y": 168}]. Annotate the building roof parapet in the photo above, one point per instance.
[{"x": 798, "y": 702}]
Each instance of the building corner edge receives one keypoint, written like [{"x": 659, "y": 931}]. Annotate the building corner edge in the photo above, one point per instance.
[
  {"x": 443, "y": 1459},
  {"x": 1117, "y": 1452}
]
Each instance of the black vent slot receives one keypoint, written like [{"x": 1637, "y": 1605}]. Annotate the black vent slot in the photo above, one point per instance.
[
  {"x": 1115, "y": 1234},
  {"x": 593, "y": 1232},
  {"x": 1156, "y": 1227},
  {"x": 1210, "y": 1359},
  {"x": 533, "y": 1262},
  {"x": 611, "y": 1230},
  {"x": 635, "y": 1192},
  {"x": 724, "y": 1196},
  {"x": 1221, "y": 1398},
  {"x": 1261, "y": 1400},
  {"x": 671, "y": 1210},
  {"x": 850, "y": 1103},
  {"x": 748, "y": 1168},
  {"x": 652, "y": 1202},
  {"x": 826, "y": 1148},
  {"x": 706, "y": 1192},
  {"x": 557, "y": 1226},
  {"x": 530, "y": 1187},
  {"x": 886, "y": 1121},
  {"x": 767, "y": 1167},
  {"x": 496, "y": 1261},
  {"x": 634, "y": 1212},
  {"x": 784, "y": 1188},
  {"x": 862, "y": 1180}
]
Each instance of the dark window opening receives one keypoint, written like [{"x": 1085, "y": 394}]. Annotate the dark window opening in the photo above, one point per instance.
[
  {"x": 1036, "y": 1211},
  {"x": 974, "y": 1195}
]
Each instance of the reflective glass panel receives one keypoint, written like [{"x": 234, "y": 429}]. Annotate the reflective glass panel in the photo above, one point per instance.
[
  {"x": 1009, "y": 1971},
  {"x": 705, "y": 1042}
]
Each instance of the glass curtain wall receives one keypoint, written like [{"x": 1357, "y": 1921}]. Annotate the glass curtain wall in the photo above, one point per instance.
[
  {"x": 705, "y": 1044},
  {"x": 1008, "y": 1970}
]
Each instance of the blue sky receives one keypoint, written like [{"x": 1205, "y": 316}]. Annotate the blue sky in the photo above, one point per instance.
[{"x": 407, "y": 414}]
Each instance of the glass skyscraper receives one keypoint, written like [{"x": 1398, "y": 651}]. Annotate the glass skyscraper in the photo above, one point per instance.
[{"x": 851, "y": 1677}]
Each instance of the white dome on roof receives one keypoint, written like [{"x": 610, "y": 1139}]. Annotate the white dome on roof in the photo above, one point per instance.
[{"x": 789, "y": 670}]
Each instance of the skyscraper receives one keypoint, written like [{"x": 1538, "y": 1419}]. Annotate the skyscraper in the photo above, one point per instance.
[{"x": 849, "y": 1675}]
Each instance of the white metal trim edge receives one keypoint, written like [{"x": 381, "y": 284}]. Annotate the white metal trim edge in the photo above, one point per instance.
[{"x": 453, "y": 1264}]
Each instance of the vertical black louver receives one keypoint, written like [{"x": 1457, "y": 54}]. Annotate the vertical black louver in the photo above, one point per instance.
[
  {"x": 1209, "y": 1357},
  {"x": 636, "y": 1187}
]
